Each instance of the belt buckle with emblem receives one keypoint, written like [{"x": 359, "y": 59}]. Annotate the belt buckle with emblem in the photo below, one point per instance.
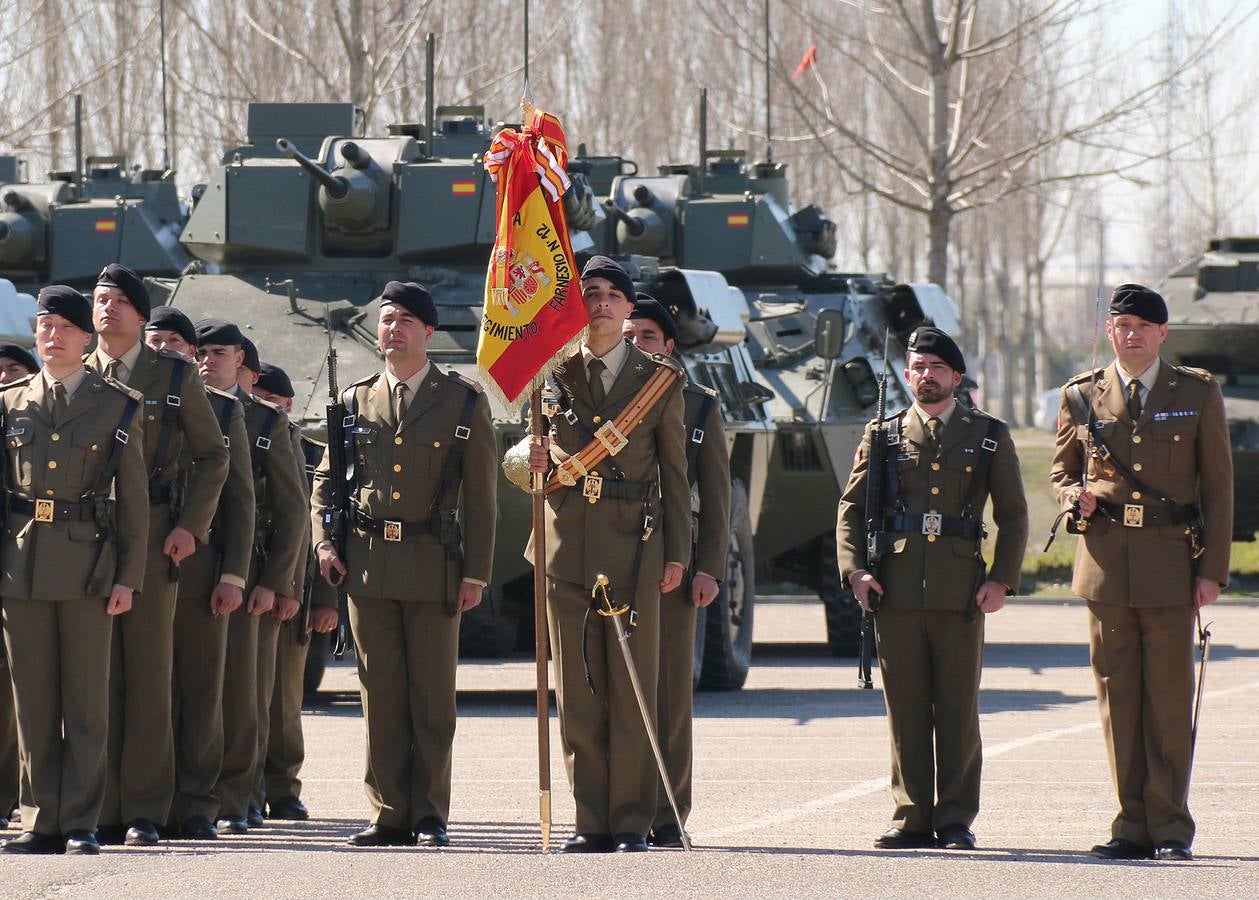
[
  {"x": 43, "y": 510},
  {"x": 393, "y": 531},
  {"x": 592, "y": 487},
  {"x": 611, "y": 438},
  {"x": 932, "y": 522},
  {"x": 1134, "y": 515}
]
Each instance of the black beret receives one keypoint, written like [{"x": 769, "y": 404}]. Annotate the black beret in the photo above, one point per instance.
[
  {"x": 275, "y": 380},
  {"x": 648, "y": 307},
  {"x": 253, "y": 362},
  {"x": 168, "y": 318},
  {"x": 927, "y": 339},
  {"x": 19, "y": 355},
  {"x": 218, "y": 331},
  {"x": 63, "y": 300},
  {"x": 412, "y": 297},
  {"x": 603, "y": 267},
  {"x": 1138, "y": 300},
  {"x": 119, "y": 276}
]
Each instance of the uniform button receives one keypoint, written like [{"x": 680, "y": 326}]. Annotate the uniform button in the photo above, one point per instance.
[
  {"x": 594, "y": 474},
  {"x": 597, "y": 420},
  {"x": 1136, "y": 495},
  {"x": 935, "y": 467},
  {"x": 437, "y": 443},
  {"x": 931, "y": 539},
  {"x": 151, "y": 418},
  {"x": 93, "y": 447},
  {"x": 397, "y": 467},
  {"x": 55, "y": 436},
  {"x": 396, "y": 495},
  {"x": 1175, "y": 437},
  {"x": 935, "y": 490},
  {"x": 49, "y": 493},
  {"x": 1136, "y": 467},
  {"x": 970, "y": 468},
  {"x": 1136, "y": 439},
  {"x": 398, "y": 441},
  {"x": 592, "y": 501},
  {"x": 52, "y": 464}
]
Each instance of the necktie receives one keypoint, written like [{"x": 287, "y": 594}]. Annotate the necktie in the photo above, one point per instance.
[
  {"x": 933, "y": 429},
  {"x": 58, "y": 402},
  {"x": 114, "y": 369},
  {"x": 1134, "y": 399},
  {"x": 400, "y": 406},
  {"x": 597, "y": 393}
]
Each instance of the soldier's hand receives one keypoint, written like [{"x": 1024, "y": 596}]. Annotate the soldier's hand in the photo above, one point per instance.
[
  {"x": 180, "y": 544},
  {"x": 470, "y": 594},
  {"x": 119, "y": 600},
  {"x": 323, "y": 619},
  {"x": 673, "y": 573},
  {"x": 261, "y": 599},
  {"x": 539, "y": 454},
  {"x": 703, "y": 589},
  {"x": 990, "y": 597},
  {"x": 286, "y": 608},
  {"x": 225, "y": 599},
  {"x": 862, "y": 584},
  {"x": 1088, "y": 504},
  {"x": 330, "y": 565},
  {"x": 1205, "y": 591}
]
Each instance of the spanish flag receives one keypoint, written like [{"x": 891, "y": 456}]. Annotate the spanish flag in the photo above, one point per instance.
[{"x": 534, "y": 317}]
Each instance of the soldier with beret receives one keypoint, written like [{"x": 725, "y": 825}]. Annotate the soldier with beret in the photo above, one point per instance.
[
  {"x": 209, "y": 592},
  {"x": 278, "y": 536},
  {"x": 176, "y": 415},
  {"x": 1143, "y": 468},
  {"x": 653, "y": 329},
  {"x": 72, "y": 557},
  {"x": 421, "y": 440},
  {"x": 934, "y": 587},
  {"x": 15, "y": 363},
  {"x": 278, "y": 791},
  {"x": 626, "y": 517}
]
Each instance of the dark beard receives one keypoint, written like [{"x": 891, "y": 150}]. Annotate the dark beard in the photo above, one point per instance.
[{"x": 932, "y": 393}]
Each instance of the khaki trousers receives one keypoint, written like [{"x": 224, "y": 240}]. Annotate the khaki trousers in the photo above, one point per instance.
[
  {"x": 407, "y": 653},
  {"x": 60, "y": 655},
  {"x": 240, "y": 715},
  {"x": 8, "y": 745},
  {"x": 607, "y": 753},
  {"x": 197, "y": 707},
  {"x": 1143, "y": 665},
  {"x": 675, "y": 700},
  {"x": 268, "y": 639},
  {"x": 931, "y": 662},
  {"x": 286, "y": 749},
  {"x": 140, "y": 707}
]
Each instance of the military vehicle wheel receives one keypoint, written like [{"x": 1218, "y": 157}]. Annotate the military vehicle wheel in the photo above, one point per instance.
[
  {"x": 728, "y": 620},
  {"x": 843, "y": 614},
  {"x": 491, "y": 630},
  {"x": 317, "y": 655}
]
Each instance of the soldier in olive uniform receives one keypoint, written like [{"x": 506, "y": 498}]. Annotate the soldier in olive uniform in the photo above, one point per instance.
[
  {"x": 935, "y": 588},
  {"x": 419, "y": 435},
  {"x": 653, "y": 330},
  {"x": 71, "y": 558},
  {"x": 1143, "y": 466},
  {"x": 278, "y": 534},
  {"x": 15, "y": 363},
  {"x": 176, "y": 416},
  {"x": 211, "y": 586},
  {"x": 628, "y": 519},
  {"x": 279, "y": 787}
]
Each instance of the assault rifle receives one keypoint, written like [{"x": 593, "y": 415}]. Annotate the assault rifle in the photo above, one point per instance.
[
  {"x": 877, "y": 541},
  {"x": 336, "y": 515}
]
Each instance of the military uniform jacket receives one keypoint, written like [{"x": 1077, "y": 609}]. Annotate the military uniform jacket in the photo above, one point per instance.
[
  {"x": 1179, "y": 448},
  {"x": 397, "y": 470},
  {"x": 585, "y": 539},
  {"x": 706, "y": 441},
  {"x": 939, "y": 572},
  {"x": 307, "y": 577},
  {"x": 195, "y": 432},
  {"x": 279, "y": 497},
  {"x": 56, "y": 560},
  {"x": 228, "y": 548}
]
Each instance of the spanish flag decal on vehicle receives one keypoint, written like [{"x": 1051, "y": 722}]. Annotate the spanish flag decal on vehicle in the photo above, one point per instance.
[
  {"x": 463, "y": 187},
  {"x": 737, "y": 220},
  {"x": 104, "y": 226}
]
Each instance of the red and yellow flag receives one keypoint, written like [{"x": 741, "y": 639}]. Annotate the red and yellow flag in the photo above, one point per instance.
[{"x": 534, "y": 316}]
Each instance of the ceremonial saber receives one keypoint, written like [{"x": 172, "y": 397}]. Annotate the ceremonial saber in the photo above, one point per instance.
[
  {"x": 537, "y": 484},
  {"x": 1204, "y": 647},
  {"x": 622, "y": 639}
]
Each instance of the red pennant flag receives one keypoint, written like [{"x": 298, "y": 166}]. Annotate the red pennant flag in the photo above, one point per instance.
[
  {"x": 808, "y": 61},
  {"x": 534, "y": 316}
]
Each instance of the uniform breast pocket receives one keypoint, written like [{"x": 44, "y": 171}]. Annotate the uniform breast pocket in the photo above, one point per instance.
[
  {"x": 366, "y": 451},
  {"x": 1171, "y": 443},
  {"x": 85, "y": 462},
  {"x": 908, "y": 468},
  {"x": 428, "y": 453},
  {"x": 20, "y": 437}
]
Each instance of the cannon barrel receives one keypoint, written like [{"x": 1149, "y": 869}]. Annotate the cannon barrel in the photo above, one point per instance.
[
  {"x": 14, "y": 201},
  {"x": 336, "y": 186},
  {"x": 634, "y": 227},
  {"x": 4, "y": 231},
  {"x": 355, "y": 155}
]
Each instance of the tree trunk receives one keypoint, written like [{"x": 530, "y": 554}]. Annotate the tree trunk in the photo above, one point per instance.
[
  {"x": 358, "y": 56},
  {"x": 940, "y": 214}
]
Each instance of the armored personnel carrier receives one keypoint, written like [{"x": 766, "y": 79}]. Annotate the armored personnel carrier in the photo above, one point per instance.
[
  {"x": 69, "y": 227},
  {"x": 1213, "y": 323},
  {"x": 299, "y": 228},
  {"x": 724, "y": 215}
]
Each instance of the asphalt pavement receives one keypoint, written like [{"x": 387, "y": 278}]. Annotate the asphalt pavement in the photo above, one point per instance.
[{"x": 791, "y": 790}]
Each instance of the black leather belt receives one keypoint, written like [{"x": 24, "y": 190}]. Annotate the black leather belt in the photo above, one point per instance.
[
  {"x": 161, "y": 494},
  {"x": 933, "y": 523},
  {"x": 1135, "y": 515},
  {"x": 390, "y": 529},
  {"x": 53, "y": 510},
  {"x": 594, "y": 488}
]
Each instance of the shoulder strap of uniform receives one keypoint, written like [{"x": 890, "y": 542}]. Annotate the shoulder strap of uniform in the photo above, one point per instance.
[
  {"x": 978, "y": 477},
  {"x": 891, "y": 466},
  {"x": 170, "y": 415},
  {"x": 262, "y": 443},
  {"x": 448, "y": 485},
  {"x": 696, "y": 437},
  {"x": 100, "y": 490},
  {"x": 226, "y": 403}
]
